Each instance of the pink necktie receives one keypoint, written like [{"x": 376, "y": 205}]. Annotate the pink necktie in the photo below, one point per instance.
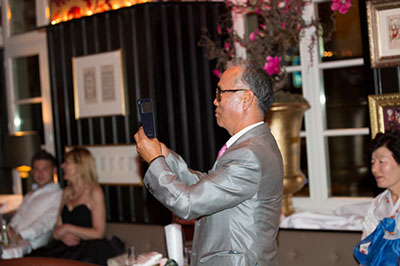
[{"x": 222, "y": 151}]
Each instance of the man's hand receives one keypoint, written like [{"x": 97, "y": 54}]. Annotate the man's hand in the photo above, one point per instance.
[
  {"x": 148, "y": 149},
  {"x": 164, "y": 150},
  {"x": 13, "y": 235}
]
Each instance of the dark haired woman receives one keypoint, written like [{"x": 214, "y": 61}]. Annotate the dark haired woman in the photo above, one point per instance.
[{"x": 385, "y": 166}]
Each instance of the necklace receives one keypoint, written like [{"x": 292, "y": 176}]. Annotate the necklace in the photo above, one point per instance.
[{"x": 72, "y": 196}]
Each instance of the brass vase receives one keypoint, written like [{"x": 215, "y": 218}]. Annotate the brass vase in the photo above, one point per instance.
[{"x": 285, "y": 121}]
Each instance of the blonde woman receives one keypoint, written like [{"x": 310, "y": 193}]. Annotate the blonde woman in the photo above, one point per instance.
[{"x": 80, "y": 227}]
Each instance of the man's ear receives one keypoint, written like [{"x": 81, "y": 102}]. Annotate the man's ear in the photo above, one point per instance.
[{"x": 248, "y": 99}]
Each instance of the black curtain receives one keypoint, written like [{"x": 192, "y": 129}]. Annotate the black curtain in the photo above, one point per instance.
[{"x": 162, "y": 60}]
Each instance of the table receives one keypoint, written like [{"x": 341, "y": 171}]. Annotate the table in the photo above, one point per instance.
[
  {"x": 43, "y": 261},
  {"x": 16, "y": 250}
]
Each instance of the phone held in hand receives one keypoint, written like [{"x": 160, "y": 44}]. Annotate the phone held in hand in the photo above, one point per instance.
[{"x": 145, "y": 106}]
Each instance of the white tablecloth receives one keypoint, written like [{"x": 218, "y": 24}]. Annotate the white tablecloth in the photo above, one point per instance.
[
  {"x": 146, "y": 259},
  {"x": 16, "y": 250},
  {"x": 349, "y": 217}
]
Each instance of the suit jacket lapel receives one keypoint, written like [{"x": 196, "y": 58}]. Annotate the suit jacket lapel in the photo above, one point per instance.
[{"x": 257, "y": 131}]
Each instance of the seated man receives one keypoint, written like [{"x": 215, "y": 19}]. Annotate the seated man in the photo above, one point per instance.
[{"x": 37, "y": 215}]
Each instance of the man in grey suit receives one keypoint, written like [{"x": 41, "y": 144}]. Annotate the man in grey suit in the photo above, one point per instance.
[{"x": 237, "y": 203}]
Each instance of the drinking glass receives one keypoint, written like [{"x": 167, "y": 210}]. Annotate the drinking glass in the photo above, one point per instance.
[{"x": 131, "y": 259}]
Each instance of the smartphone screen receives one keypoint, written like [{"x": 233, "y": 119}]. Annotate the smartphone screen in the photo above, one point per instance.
[{"x": 145, "y": 106}]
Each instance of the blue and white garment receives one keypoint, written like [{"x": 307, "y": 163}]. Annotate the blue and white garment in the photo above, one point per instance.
[{"x": 382, "y": 207}]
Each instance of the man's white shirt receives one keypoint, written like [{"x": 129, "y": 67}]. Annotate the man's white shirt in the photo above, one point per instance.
[
  {"x": 241, "y": 133},
  {"x": 37, "y": 215}
]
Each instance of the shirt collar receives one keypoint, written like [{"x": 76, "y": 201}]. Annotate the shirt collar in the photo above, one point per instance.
[{"x": 241, "y": 133}]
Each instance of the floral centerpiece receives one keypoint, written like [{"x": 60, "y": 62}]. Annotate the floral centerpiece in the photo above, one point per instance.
[{"x": 278, "y": 26}]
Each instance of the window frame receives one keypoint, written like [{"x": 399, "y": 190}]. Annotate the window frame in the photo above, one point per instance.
[
  {"x": 23, "y": 45},
  {"x": 316, "y": 134}
]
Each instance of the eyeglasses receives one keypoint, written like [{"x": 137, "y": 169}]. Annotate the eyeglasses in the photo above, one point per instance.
[{"x": 219, "y": 91}]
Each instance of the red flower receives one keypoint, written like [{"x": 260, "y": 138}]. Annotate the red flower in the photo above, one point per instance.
[
  {"x": 227, "y": 46},
  {"x": 252, "y": 36},
  {"x": 341, "y": 5},
  {"x": 217, "y": 73},
  {"x": 272, "y": 65}
]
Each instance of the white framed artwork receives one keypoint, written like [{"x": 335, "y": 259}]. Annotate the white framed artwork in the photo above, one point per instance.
[
  {"x": 98, "y": 85},
  {"x": 117, "y": 164}
]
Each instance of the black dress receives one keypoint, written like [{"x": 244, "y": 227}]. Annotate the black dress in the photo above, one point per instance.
[{"x": 95, "y": 251}]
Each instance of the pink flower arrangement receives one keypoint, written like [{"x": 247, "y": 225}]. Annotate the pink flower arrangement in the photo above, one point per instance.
[
  {"x": 272, "y": 65},
  {"x": 341, "y": 5},
  {"x": 273, "y": 40}
]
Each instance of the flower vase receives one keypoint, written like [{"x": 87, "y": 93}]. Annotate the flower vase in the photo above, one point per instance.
[{"x": 285, "y": 121}]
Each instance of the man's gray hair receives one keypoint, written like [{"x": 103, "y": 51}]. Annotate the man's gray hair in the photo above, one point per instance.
[{"x": 254, "y": 77}]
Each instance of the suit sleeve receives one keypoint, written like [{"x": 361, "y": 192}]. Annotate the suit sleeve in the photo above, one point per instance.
[
  {"x": 179, "y": 166},
  {"x": 235, "y": 178}
]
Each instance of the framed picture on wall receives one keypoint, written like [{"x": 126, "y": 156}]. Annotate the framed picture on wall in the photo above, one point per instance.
[
  {"x": 384, "y": 32},
  {"x": 117, "y": 164},
  {"x": 98, "y": 85},
  {"x": 384, "y": 112}
]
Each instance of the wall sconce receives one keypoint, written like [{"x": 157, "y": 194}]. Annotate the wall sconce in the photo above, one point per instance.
[{"x": 19, "y": 149}]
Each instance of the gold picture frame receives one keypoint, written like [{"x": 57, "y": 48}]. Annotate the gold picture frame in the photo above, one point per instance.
[
  {"x": 384, "y": 32},
  {"x": 98, "y": 85},
  {"x": 384, "y": 112}
]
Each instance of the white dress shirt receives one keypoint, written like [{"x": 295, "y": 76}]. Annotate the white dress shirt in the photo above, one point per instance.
[
  {"x": 241, "y": 133},
  {"x": 37, "y": 215}
]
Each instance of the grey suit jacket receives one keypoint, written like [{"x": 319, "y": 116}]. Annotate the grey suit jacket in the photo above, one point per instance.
[{"x": 236, "y": 204}]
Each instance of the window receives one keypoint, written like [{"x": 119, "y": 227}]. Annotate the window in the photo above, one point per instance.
[
  {"x": 337, "y": 123},
  {"x": 22, "y": 16},
  {"x": 26, "y": 68}
]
